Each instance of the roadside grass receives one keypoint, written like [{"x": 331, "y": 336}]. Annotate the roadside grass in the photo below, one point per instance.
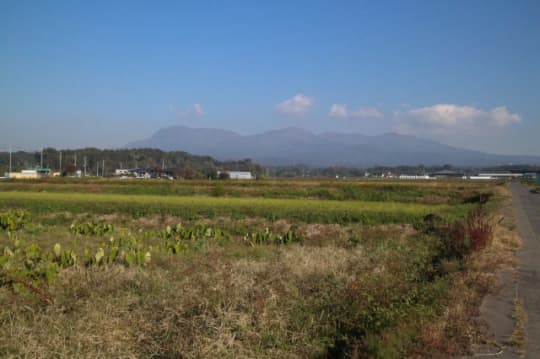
[
  {"x": 518, "y": 338},
  {"x": 457, "y": 329}
]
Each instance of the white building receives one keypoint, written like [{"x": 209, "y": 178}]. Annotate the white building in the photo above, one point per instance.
[
  {"x": 414, "y": 177},
  {"x": 501, "y": 175},
  {"x": 241, "y": 175},
  {"x": 480, "y": 178},
  {"x": 121, "y": 172},
  {"x": 31, "y": 173}
]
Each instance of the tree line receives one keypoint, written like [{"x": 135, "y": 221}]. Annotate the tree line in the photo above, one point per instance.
[{"x": 104, "y": 162}]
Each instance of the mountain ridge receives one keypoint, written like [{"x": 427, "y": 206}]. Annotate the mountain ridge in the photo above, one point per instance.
[{"x": 294, "y": 146}]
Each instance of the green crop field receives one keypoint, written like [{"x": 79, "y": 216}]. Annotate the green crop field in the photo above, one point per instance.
[
  {"x": 308, "y": 210},
  {"x": 429, "y": 192},
  {"x": 270, "y": 269}
]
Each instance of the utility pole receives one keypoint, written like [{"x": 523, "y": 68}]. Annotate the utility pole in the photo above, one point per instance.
[
  {"x": 97, "y": 168},
  {"x": 163, "y": 164},
  {"x": 84, "y": 165},
  {"x": 103, "y": 169},
  {"x": 41, "y": 163},
  {"x": 75, "y": 161},
  {"x": 60, "y": 162}
]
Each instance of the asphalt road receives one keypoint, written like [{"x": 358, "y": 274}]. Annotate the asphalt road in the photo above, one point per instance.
[{"x": 527, "y": 210}]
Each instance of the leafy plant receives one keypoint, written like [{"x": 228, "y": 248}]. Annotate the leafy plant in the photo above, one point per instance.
[
  {"x": 91, "y": 228},
  {"x": 179, "y": 232},
  {"x": 14, "y": 219},
  {"x": 268, "y": 238}
]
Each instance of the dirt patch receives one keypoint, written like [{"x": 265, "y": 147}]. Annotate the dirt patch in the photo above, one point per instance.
[
  {"x": 322, "y": 234},
  {"x": 54, "y": 215},
  {"x": 159, "y": 221},
  {"x": 108, "y": 217}
]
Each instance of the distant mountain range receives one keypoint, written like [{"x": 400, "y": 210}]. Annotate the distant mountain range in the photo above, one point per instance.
[{"x": 294, "y": 146}]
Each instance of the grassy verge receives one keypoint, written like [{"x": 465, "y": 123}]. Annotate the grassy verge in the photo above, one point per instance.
[
  {"x": 457, "y": 330},
  {"x": 518, "y": 338}
]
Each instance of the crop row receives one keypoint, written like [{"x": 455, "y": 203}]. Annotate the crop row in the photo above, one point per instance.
[
  {"x": 29, "y": 266},
  {"x": 418, "y": 192},
  {"x": 311, "y": 211}
]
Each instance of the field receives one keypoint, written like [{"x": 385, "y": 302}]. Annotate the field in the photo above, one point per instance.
[{"x": 271, "y": 269}]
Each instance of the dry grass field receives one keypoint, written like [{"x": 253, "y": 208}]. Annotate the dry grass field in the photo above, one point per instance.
[{"x": 269, "y": 269}]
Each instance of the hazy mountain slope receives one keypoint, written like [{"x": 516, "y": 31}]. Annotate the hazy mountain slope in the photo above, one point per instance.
[{"x": 298, "y": 146}]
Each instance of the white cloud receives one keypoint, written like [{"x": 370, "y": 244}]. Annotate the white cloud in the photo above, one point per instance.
[
  {"x": 297, "y": 106},
  {"x": 501, "y": 117},
  {"x": 340, "y": 111},
  {"x": 442, "y": 119},
  {"x": 195, "y": 110}
]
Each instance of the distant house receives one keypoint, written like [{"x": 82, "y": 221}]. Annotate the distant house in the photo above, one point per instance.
[
  {"x": 31, "y": 173},
  {"x": 141, "y": 173},
  {"x": 121, "y": 172},
  {"x": 240, "y": 175},
  {"x": 147, "y": 173}
]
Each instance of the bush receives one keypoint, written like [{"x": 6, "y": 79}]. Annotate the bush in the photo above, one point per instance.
[
  {"x": 479, "y": 230},
  {"x": 460, "y": 239}
]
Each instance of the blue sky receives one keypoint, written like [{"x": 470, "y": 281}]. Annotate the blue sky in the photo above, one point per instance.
[{"x": 104, "y": 73}]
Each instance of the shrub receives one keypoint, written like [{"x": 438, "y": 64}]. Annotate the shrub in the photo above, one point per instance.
[
  {"x": 479, "y": 230},
  {"x": 461, "y": 239}
]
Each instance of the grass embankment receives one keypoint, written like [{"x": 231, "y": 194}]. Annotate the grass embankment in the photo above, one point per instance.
[{"x": 321, "y": 211}]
